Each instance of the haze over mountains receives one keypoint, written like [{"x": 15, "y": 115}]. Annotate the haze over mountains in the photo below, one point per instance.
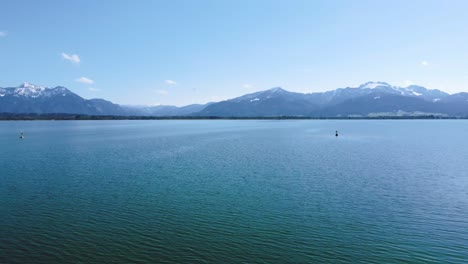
[{"x": 368, "y": 100}]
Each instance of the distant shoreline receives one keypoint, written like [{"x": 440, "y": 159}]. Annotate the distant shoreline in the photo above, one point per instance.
[{"x": 58, "y": 117}]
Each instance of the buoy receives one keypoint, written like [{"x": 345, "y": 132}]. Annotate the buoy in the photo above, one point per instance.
[{"x": 336, "y": 133}]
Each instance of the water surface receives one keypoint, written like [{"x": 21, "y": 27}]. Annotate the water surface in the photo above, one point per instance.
[{"x": 234, "y": 191}]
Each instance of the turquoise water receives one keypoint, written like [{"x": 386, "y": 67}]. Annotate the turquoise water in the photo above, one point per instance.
[{"x": 234, "y": 192}]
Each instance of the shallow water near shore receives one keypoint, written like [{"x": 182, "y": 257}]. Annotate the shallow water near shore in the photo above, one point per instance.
[{"x": 236, "y": 191}]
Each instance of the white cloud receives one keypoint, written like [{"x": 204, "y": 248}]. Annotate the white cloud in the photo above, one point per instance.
[
  {"x": 162, "y": 92},
  {"x": 94, "y": 89},
  {"x": 425, "y": 63},
  {"x": 3, "y": 33},
  {"x": 247, "y": 86},
  {"x": 170, "y": 82},
  {"x": 84, "y": 80},
  {"x": 407, "y": 83},
  {"x": 73, "y": 57}
]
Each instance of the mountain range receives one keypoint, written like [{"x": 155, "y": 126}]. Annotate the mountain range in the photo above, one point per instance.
[{"x": 371, "y": 99}]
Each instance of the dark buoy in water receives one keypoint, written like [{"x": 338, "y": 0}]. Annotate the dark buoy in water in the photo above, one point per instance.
[
  {"x": 336, "y": 133},
  {"x": 21, "y": 135}
]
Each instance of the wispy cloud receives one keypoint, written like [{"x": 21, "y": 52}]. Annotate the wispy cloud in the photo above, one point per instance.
[
  {"x": 84, "y": 80},
  {"x": 170, "y": 82},
  {"x": 247, "y": 85},
  {"x": 162, "y": 92},
  {"x": 73, "y": 57},
  {"x": 94, "y": 89},
  {"x": 425, "y": 63},
  {"x": 3, "y": 33}
]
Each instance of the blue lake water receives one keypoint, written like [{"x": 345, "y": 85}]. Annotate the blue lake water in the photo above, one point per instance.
[{"x": 230, "y": 191}]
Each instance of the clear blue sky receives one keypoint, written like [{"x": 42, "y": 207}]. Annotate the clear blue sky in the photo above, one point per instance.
[{"x": 181, "y": 52}]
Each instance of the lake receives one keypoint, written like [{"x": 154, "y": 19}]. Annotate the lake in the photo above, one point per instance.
[{"x": 234, "y": 191}]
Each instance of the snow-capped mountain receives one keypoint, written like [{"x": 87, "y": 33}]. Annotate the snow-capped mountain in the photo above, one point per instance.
[
  {"x": 373, "y": 85},
  {"x": 411, "y": 90},
  {"x": 272, "y": 102},
  {"x": 368, "y": 99},
  {"x": 363, "y": 100},
  {"x": 28, "y": 90},
  {"x": 30, "y": 98},
  {"x": 341, "y": 94}
]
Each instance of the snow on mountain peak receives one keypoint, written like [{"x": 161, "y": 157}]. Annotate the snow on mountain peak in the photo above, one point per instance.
[
  {"x": 30, "y": 86},
  {"x": 372, "y": 85},
  {"x": 29, "y": 90},
  {"x": 26, "y": 85}
]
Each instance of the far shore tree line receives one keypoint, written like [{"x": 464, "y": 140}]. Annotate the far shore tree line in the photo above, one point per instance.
[{"x": 59, "y": 116}]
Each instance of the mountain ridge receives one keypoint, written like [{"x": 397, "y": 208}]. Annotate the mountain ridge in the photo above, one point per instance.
[{"x": 368, "y": 99}]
